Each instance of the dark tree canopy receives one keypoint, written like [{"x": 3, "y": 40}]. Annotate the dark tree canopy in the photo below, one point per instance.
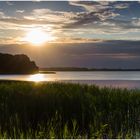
[{"x": 16, "y": 64}]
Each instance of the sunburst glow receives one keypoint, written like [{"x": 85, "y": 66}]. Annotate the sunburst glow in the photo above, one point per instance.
[
  {"x": 37, "y": 37},
  {"x": 36, "y": 78}
]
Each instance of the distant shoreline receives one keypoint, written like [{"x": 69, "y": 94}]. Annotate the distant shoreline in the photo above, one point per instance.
[
  {"x": 49, "y": 70},
  {"x": 40, "y": 72}
]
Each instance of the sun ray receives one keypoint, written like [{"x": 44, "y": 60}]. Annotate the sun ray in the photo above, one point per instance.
[{"x": 37, "y": 37}]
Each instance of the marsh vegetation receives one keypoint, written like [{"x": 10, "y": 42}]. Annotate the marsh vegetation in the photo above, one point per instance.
[{"x": 60, "y": 110}]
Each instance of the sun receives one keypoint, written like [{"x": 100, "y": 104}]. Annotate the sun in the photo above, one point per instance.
[
  {"x": 36, "y": 78},
  {"x": 37, "y": 37}
]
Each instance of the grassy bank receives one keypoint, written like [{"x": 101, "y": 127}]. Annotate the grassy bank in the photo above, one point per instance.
[{"x": 58, "y": 110}]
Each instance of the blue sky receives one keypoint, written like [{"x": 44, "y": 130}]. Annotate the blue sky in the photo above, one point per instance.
[{"x": 77, "y": 23}]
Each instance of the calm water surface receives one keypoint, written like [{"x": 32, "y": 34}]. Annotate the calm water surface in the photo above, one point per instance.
[{"x": 129, "y": 79}]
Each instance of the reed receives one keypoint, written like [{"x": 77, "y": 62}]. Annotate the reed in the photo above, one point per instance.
[{"x": 65, "y": 110}]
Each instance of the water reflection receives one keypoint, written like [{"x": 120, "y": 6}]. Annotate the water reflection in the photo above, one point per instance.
[
  {"x": 114, "y": 79},
  {"x": 36, "y": 78}
]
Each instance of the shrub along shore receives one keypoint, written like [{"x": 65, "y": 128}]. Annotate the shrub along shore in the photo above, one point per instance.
[{"x": 65, "y": 110}]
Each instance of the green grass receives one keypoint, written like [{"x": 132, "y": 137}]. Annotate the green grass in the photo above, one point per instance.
[{"x": 58, "y": 110}]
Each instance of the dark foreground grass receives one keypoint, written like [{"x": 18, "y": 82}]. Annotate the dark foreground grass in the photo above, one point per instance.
[{"x": 58, "y": 110}]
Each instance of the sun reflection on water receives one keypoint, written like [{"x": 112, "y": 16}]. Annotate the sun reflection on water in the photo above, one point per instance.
[{"x": 36, "y": 78}]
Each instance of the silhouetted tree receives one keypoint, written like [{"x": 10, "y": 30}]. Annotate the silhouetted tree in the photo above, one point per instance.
[{"x": 16, "y": 64}]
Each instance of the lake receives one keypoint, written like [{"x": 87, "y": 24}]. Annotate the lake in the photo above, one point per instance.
[{"x": 124, "y": 79}]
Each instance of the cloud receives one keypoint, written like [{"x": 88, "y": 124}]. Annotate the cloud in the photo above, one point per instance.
[
  {"x": 121, "y": 6},
  {"x": 99, "y": 14},
  {"x": 97, "y": 6},
  {"x": 136, "y": 22},
  {"x": 39, "y": 17},
  {"x": 1, "y": 14},
  {"x": 7, "y": 40},
  {"x": 9, "y": 3},
  {"x": 20, "y": 11},
  {"x": 96, "y": 20},
  {"x": 103, "y": 54},
  {"x": 51, "y": 16},
  {"x": 105, "y": 19},
  {"x": 91, "y": 6}
]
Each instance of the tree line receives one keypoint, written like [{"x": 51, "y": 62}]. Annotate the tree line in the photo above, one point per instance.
[{"x": 17, "y": 64}]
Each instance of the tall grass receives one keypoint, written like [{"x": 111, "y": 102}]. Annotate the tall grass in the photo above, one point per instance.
[{"x": 59, "y": 110}]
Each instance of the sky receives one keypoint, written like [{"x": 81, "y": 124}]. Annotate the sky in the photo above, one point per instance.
[{"x": 95, "y": 34}]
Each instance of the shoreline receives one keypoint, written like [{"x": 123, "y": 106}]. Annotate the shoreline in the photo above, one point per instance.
[{"x": 128, "y": 84}]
